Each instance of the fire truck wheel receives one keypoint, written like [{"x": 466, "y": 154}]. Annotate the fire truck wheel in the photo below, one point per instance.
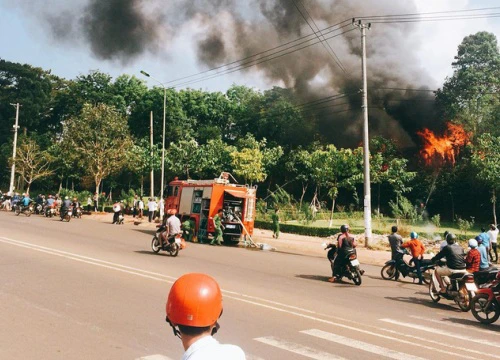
[{"x": 231, "y": 240}]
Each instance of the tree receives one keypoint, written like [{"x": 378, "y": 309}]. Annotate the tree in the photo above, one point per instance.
[
  {"x": 139, "y": 159},
  {"x": 299, "y": 164},
  {"x": 32, "y": 163},
  {"x": 184, "y": 156},
  {"x": 470, "y": 96},
  {"x": 99, "y": 138},
  {"x": 486, "y": 159}
]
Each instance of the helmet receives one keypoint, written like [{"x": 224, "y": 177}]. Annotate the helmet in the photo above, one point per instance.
[
  {"x": 344, "y": 228},
  {"x": 451, "y": 238},
  {"x": 473, "y": 243},
  {"x": 194, "y": 300},
  {"x": 74, "y": 199},
  {"x": 413, "y": 235},
  {"x": 479, "y": 239},
  {"x": 66, "y": 198}
]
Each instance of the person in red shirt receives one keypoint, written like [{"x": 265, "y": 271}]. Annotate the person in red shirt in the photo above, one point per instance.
[
  {"x": 417, "y": 250},
  {"x": 473, "y": 259}
]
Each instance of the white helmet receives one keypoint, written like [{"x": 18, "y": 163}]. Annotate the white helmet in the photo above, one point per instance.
[{"x": 473, "y": 243}]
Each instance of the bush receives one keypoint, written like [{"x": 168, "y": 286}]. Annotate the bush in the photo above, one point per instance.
[
  {"x": 464, "y": 225},
  {"x": 436, "y": 220},
  {"x": 404, "y": 209}
]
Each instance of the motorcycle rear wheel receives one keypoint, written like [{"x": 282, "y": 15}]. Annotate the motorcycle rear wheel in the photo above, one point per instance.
[
  {"x": 28, "y": 213},
  {"x": 388, "y": 272},
  {"x": 427, "y": 276},
  {"x": 357, "y": 277},
  {"x": 433, "y": 293},
  {"x": 155, "y": 245},
  {"x": 485, "y": 314},
  {"x": 463, "y": 299},
  {"x": 67, "y": 218},
  {"x": 174, "y": 249},
  {"x": 17, "y": 211}
]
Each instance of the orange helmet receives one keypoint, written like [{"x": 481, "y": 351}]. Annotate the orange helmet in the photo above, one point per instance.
[
  {"x": 194, "y": 300},
  {"x": 171, "y": 211}
]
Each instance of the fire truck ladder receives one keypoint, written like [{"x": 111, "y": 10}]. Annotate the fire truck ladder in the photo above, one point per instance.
[{"x": 251, "y": 243}]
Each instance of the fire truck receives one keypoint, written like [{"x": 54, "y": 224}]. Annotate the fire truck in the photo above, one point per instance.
[{"x": 199, "y": 201}]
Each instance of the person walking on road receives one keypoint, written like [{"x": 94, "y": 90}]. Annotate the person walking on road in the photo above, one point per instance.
[
  {"x": 96, "y": 199},
  {"x": 493, "y": 234},
  {"x": 218, "y": 228},
  {"x": 141, "y": 208},
  {"x": 89, "y": 203},
  {"x": 395, "y": 240},
  {"x": 194, "y": 306},
  {"x": 135, "y": 206},
  {"x": 276, "y": 223},
  {"x": 151, "y": 209},
  {"x": 417, "y": 252}
]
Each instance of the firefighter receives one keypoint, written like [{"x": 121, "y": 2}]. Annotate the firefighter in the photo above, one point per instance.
[{"x": 218, "y": 228}]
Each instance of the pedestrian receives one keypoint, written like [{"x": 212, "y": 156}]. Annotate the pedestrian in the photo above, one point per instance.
[
  {"x": 485, "y": 264},
  {"x": 89, "y": 203},
  {"x": 141, "y": 208},
  {"x": 161, "y": 209},
  {"x": 96, "y": 202},
  {"x": 218, "y": 228},
  {"x": 417, "y": 252},
  {"x": 486, "y": 239},
  {"x": 135, "y": 205},
  {"x": 493, "y": 235},
  {"x": 194, "y": 306},
  {"x": 151, "y": 209},
  {"x": 276, "y": 223},
  {"x": 473, "y": 259},
  {"x": 395, "y": 240}
]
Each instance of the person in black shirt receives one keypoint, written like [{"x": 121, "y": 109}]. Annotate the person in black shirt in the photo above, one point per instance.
[
  {"x": 395, "y": 240},
  {"x": 455, "y": 260}
]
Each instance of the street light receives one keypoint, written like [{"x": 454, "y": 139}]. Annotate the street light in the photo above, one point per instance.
[{"x": 163, "y": 138}]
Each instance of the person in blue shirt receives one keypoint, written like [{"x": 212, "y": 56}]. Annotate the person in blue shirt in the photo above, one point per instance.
[
  {"x": 26, "y": 200},
  {"x": 484, "y": 265},
  {"x": 486, "y": 239}
]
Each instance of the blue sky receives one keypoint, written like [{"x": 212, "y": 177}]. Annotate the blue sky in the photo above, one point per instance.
[{"x": 24, "y": 40}]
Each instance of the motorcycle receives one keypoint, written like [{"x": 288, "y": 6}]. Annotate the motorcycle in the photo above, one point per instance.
[
  {"x": 171, "y": 245},
  {"x": 50, "y": 211},
  {"x": 460, "y": 288},
  {"x": 26, "y": 210},
  {"x": 485, "y": 306},
  {"x": 77, "y": 212},
  {"x": 67, "y": 215},
  {"x": 350, "y": 268},
  {"x": 38, "y": 209},
  {"x": 393, "y": 268}
]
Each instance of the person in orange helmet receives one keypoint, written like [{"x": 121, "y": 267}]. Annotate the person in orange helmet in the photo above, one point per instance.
[{"x": 193, "y": 308}]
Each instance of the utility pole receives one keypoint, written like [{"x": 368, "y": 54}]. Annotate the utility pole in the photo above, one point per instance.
[
  {"x": 366, "y": 139},
  {"x": 152, "y": 192},
  {"x": 14, "y": 150}
]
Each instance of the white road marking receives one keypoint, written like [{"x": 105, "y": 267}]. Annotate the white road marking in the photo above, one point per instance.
[
  {"x": 443, "y": 333},
  {"x": 154, "y": 357},
  {"x": 455, "y": 325},
  {"x": 244, "y": 298},
  {"x": 252, "y": 357},
  {"x": 360, "y": 345},
  {"x": 298, "y": 349}
]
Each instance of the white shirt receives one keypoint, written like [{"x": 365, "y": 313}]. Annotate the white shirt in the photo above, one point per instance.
[
  {"x": 141, "y": 204},
  {"x": 174, "y": 225},
  {"x": 493, "y": 234},
  {"x": 152, "y": 206},
  {"x": 208, "y": 348}
]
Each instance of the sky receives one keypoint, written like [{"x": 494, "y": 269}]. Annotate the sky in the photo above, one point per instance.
[{"x": 25, "y": 40}]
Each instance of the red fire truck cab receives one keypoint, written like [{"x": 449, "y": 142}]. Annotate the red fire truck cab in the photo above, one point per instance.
[{"x": 199, "y": 200}]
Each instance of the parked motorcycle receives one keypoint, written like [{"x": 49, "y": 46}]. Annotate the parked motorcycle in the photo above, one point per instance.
[
  {"x": 393, "y": 268},
  {"x": 50, "y": 211},
  {"x": 460, "y": 288},
  {"x": 26, "y": 210},
  {"x": 485, "y": 306},
  {"x": 350, "y": 268},
  {"x": 172, "y": 246},
  {"x": 77, "y": 212},
  {"x": 66, "y": 216}
]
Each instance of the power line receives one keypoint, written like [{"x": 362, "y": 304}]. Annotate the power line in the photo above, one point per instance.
[
  {"x": 429, "y": 13},
  {"x": 332, "y": 53}
]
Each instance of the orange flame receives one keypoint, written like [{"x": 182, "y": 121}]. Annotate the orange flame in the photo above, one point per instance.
[{"x": 445, "y": 148}]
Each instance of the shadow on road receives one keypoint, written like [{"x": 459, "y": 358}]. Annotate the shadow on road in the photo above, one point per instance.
[
  {"x": 145, "y": 252},
  {"x": 313, "y": 277},
  {"x": 146, "y": 231},
  {"x": 425, "y": 302},
  {"x": 473, "y": 323}
]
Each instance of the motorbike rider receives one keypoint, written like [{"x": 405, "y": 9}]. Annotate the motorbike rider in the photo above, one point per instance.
[
  {"x": 66, "y": 204},
  {"x": 76, "y": 205},
  {"x": 172, "y": 226},
  {"x": 455, "y": 260},
  {"x": 473, "y": 259},
  {"x": 417, "y": 252},
  {"x": 118, "y": 208},
  {"x": 25, "y": 201},
  {"x": 193, "y": 307},
  {"x": 395, "y": 240},
  {"x": 345, "y": 244}
]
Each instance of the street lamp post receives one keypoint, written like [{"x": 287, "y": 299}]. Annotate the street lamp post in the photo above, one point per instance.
[{"x": 163, "y": 137}]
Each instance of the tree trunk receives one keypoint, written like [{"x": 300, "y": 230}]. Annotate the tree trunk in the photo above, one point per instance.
[
  {"x": 142, "y": 185},
  {"x": 97, "y": 184},
  {"x": 494, "y": 200},
  {"x": 331, "y": 214},
  {"x": 72, "y": 185},
  {"x": 66, "y": 183},
  {"x": 304, "y": 189},
  {"x": 378, "y": 200},
  {"x": 452, "y": 207}
]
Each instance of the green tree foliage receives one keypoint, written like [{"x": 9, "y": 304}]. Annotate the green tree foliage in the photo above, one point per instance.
[
  {"x": 470, "y": 96},
  {"x": 32, "y": 163},
  {"x": 100, "y": 138},
  {"x": 486, "y": 159}
]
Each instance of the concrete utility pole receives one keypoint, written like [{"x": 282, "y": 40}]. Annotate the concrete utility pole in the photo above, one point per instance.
[
  {"x": 366, "y": 139},
  {"x": 14, "y": 150},
  {"x": 152, "y": 192}
]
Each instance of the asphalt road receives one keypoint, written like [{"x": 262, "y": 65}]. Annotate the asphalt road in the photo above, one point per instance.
[{"x": 90, "y": 290}]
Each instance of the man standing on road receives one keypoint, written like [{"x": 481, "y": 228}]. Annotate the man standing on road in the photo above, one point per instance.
[
  {"x": 141, "y": 208},
  {"x": 486, "y": 239},
  {"x": 96, "y": 200},
  {"x": 151, "y": 209},
  {"x": 276, "y": 223},
  {"x": 484, "y": 254},
  {"x": 135, "y": 205},
  {"x": 395, "y": 240},
  {"x": 218, "y": 228},
  {"x": 194, "y": 306},
  {"x": 493, "y": 235}
]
